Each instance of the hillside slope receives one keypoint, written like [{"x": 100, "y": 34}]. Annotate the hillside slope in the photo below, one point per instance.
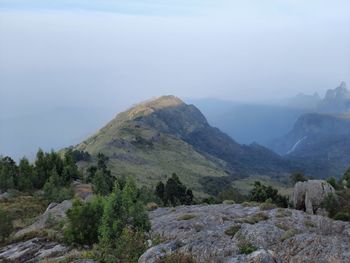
[{"x": 165, "y": 135}]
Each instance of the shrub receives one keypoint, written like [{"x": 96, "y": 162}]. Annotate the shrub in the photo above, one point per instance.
[
  {"x": 186, "y": 217},
  {"x": 288, "y": 234},
  {"x": 342, "y": 216},
  {"x": 253, "y": 219},
  {"x": 245, "y": 247},
  {"x": 124, "y": 218},
  {"x": 83, "y": 222},
  {"x": 261, "y": 193},
  {"x": 267, "y": 206},
  {"x": 309, "y": 223},
  {"x": 177, "y": 258},
  {"x": 232, "y": 230},
  {"x": 174, "y": 192},
  {"x": 151, "y": 206},
  {"x": 298, "y": 177},
  {"x": 6, "y": 226}
]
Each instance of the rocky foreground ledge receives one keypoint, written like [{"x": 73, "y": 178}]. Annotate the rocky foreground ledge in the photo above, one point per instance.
[{"x": 234, "y": 233}]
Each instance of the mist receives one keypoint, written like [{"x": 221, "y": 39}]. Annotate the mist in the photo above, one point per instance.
[{"x": 104, "y": 56}]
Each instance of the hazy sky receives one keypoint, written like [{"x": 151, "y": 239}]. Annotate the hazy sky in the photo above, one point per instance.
[
  {"x": 119, "y": 52},
  {"x": 113, "y": 53}
]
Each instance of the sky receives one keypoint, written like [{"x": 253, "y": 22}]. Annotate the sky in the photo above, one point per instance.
[{"x": 110, "y": 54}]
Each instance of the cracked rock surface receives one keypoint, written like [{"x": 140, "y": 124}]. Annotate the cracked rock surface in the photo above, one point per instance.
[{"x": 277, "y": 235}]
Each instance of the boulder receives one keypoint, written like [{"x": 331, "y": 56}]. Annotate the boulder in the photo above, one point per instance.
[
  {"x": 309, "y": 195},
  {"x": 31, "y": 250},
  {"x": 277, "y": 235},
  {"x": 54, "y": 212}
]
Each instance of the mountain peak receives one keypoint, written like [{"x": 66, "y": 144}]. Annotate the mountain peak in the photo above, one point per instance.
[
  {"x": 149, "y": 106},
  {"x": 339, "y": 92}
]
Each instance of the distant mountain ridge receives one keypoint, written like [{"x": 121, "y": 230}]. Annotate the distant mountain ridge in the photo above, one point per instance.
[
  {"x": 165, "y": 135},
  {"x": 336, "y": 100},
  {"x": 318, "y": 138}
]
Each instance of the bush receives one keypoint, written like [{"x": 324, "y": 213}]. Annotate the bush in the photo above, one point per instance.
[
  {"x": 83, "y": 222},
  {"x": 298, "y": 177},
  {"x": 253, "y": 219},
  {"x": 124, "y": 218},
  {"x": 261, "y": 193},
  {"x": 174, "y": 192},
  {"x": 151, "y": 206},
  {"x": 6, "y": 226},
  {"x": 232, "y": 230},
  {"x": 342, "y": 216},
  {"x": 245, "y": 247}
]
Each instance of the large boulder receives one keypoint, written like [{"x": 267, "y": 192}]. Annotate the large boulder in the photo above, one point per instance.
[
  {"x": 309, "y": 195},
  {"x": 54, "y": 212},
  {"x": 220, "y": 233}
]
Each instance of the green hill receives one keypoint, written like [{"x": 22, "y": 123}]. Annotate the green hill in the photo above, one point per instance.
[{"x": 165, "y": 135}]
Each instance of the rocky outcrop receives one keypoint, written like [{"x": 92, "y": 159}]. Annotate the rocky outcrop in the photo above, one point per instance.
[
  {"x": 309, "y": 195},
  {"x": 54, "y": 212},
  {"x": 224, "y": 233},
  {"x": 31, "y": 250}
]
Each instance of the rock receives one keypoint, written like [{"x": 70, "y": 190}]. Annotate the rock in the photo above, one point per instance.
[
  {"x": 32, "y": 250},
  {"x": 309, "y": 195},
  {"x": 4, "y": 196},
  {"x": 286, "y": 235},
  {"x": 54, "y": 212}
]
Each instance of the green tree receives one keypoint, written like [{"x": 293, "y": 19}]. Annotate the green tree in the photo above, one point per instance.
[
  {"x": 298, "y": 177},
  {"x": 26, "y": 175},
  {"x": 333, "y": 182},
  {"x": 123, "y": 209},
  {"x": 175, "y": 191},
  {"x": 102, "y": 183},
  {"x": 159, "y": 191},
  {"x": 8, "y": 174},
  {"x": 261, "y": 193},
  {"x": 346, "y": 178},
  {"x": 55, "y": 190},
  {"x": 83, "y": 222}
]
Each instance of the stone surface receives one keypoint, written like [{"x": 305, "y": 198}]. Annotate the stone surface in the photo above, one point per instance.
[
  {"x": 31, "y": 250},
  {"x": 309, "y": 195},
  {"x": 55, "y": 212},
  {"x": 286, "y": 235}
]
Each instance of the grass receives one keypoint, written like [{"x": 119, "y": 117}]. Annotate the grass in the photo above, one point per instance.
[
  {"x": 253, "y": 219},
  {"x": 288, "y": 234},
  {"x": 186, "y": 217},
  {"x": 309, "y": 223},
  {"x": 267, "y": 206},
  {"x": 245, "y": 247},
  {"x": 280, "y": 213},
  {"x": 24, "y": 209},
  {"x": 282, "y": 226},
  {"x": 151, "y": 206},
  {"x": 177, "y": 258},
  {"x": 232, "y": 230}
]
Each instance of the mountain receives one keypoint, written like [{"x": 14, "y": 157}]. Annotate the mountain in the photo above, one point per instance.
[
  {"x": 319, "y": 139},
  {"x": 303, "y": 101},
  {"x": 336, "y": 100},
  {"x": 165, "y": 135},
  {"x": 249, "y": 122}
]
